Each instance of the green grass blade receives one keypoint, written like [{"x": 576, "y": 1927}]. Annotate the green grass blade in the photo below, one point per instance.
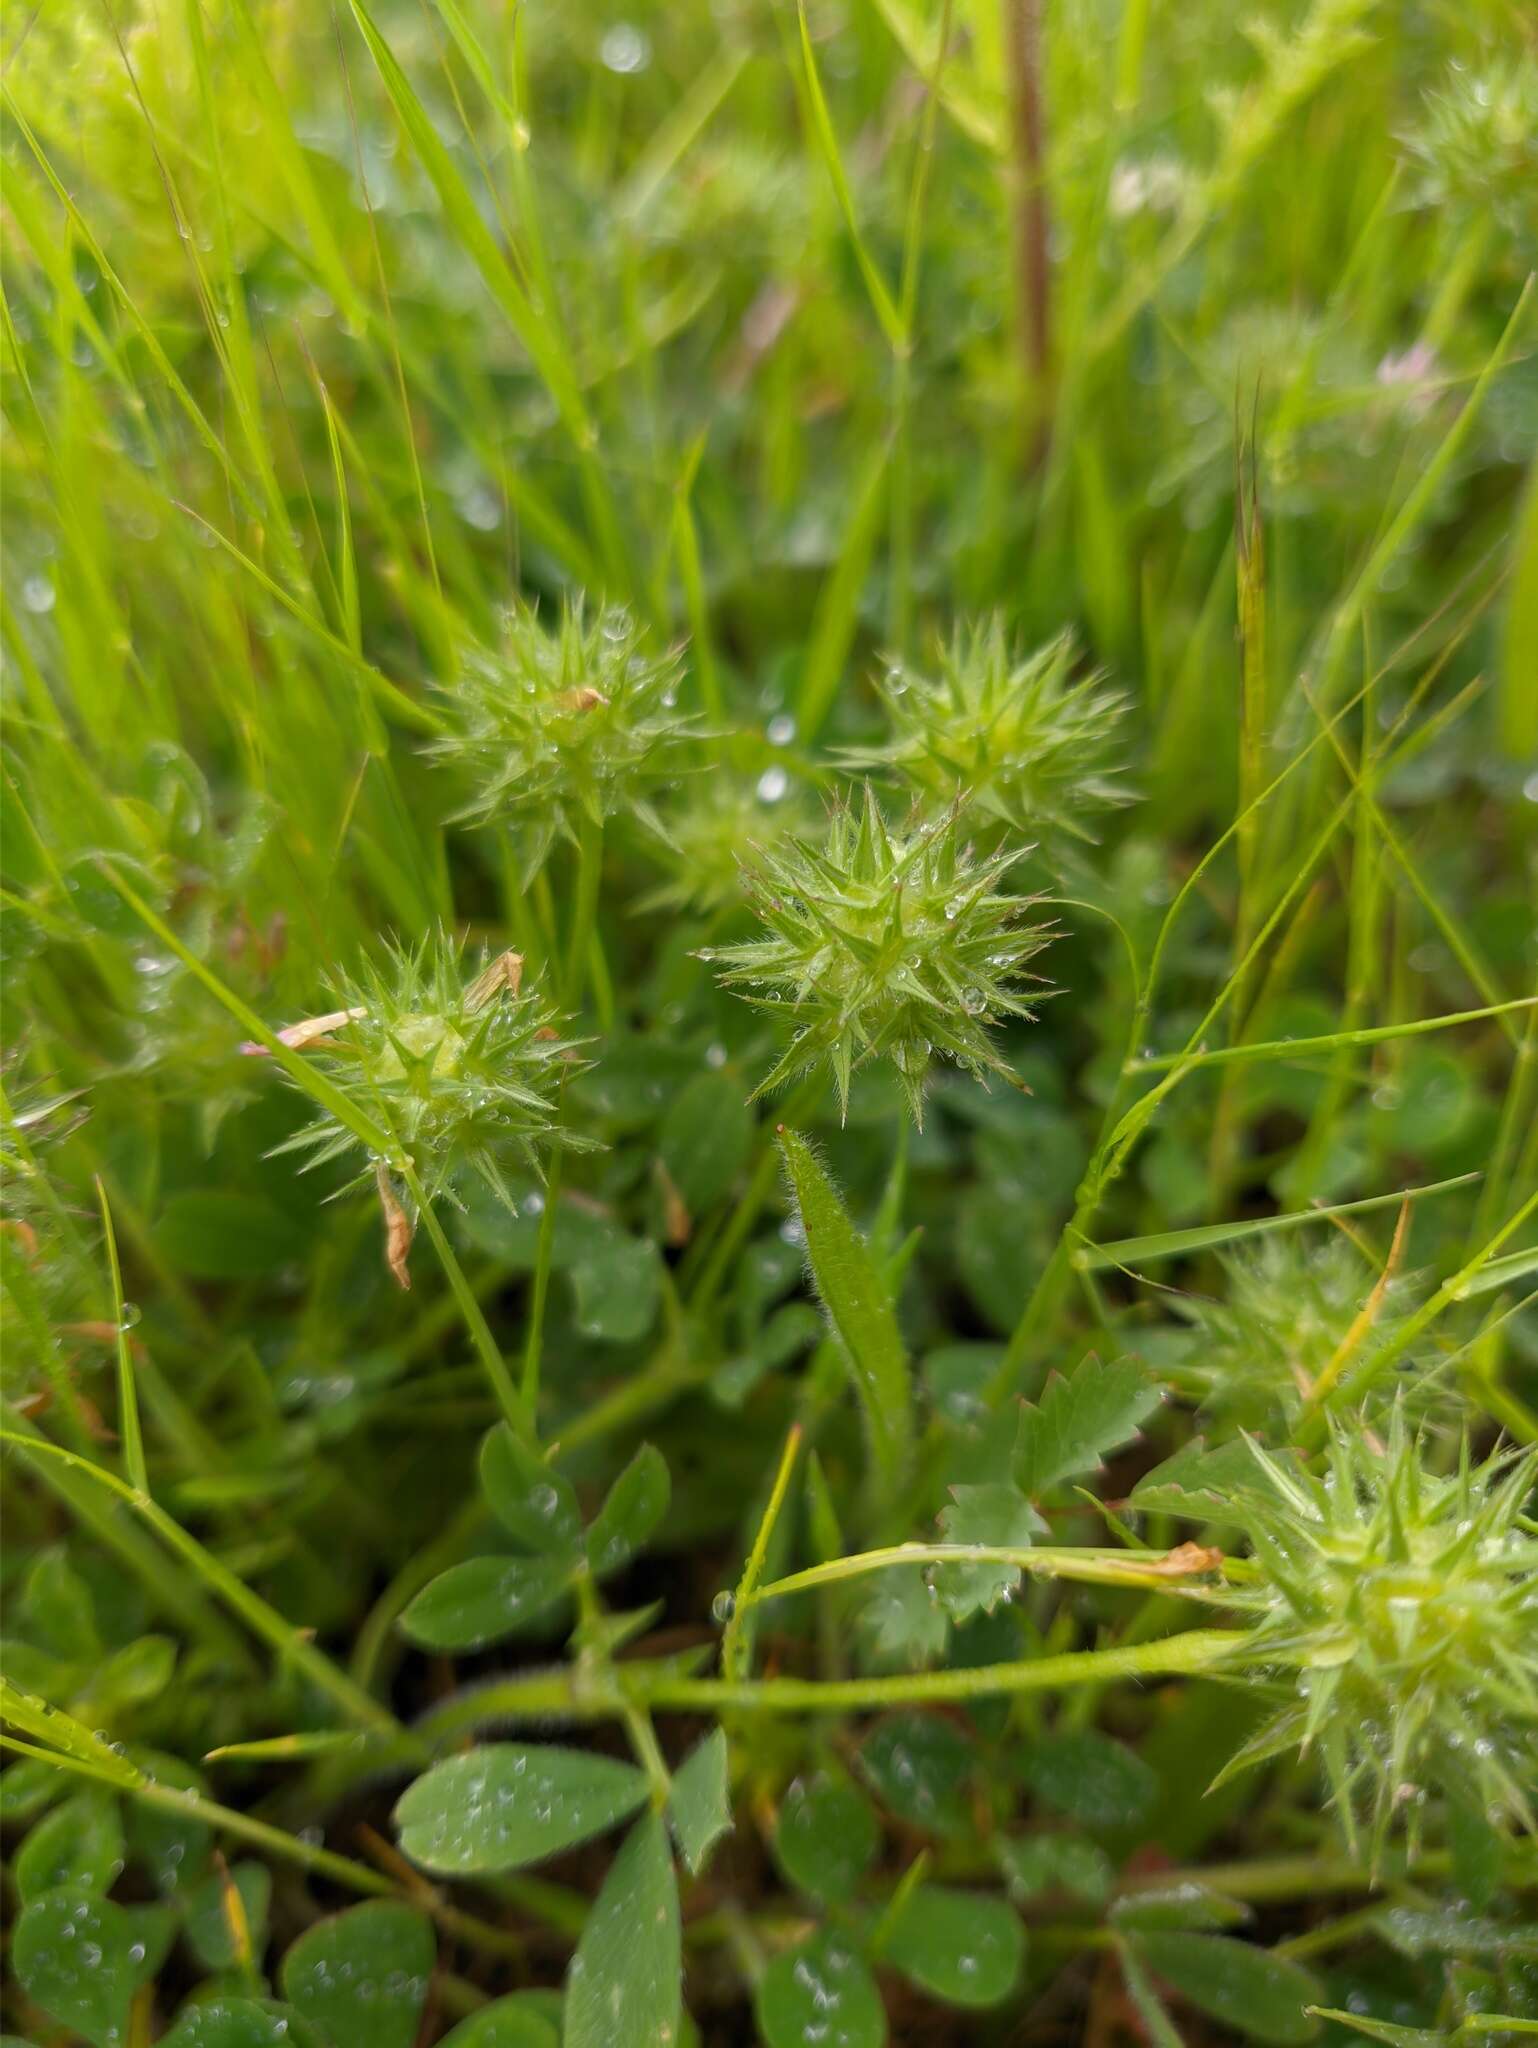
[
  {"x": 1175, "y": 1244},
  {"x": 838, "y": 605},
  {"x": 1327, "y": 1041},
  {"x": 823, "y": 134},
  {"x": 129, "y": 1427}
]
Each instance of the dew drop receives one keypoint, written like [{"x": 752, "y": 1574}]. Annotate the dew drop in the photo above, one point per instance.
[{"x": 625, "y": 49}]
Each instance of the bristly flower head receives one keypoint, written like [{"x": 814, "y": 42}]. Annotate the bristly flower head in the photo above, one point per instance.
[
  {"x": 885, "y": 944},
  {"x": 1290, "y": 1314},
  {"x": 557, "y": 726},
  {"x": 1026, "y": 741},
  {"x": 706, "y": 842},
  {"x": 1406, "y": 1602},
  {"x": 1476, "y": 148},
  {"x": 461, "y": 1069}
]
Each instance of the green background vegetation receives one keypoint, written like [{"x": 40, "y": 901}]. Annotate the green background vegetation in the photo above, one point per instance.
[{"x": 335, "y": 341}]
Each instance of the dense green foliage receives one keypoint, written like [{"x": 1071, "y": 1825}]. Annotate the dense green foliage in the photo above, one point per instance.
[{"x": 771, "y": 1091}]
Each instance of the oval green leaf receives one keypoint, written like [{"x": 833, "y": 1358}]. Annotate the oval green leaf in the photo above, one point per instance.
[
  {"x": 505, "y": 1805},
  {"x": 919, "y": 1766},
  {"x": 820, "y": 1995},
  {"x": 483, "y": 1600},
  {"x": 241, "y": 2023},
  {"x": 626, "y": 1977},
  {"x": 513, "y": 2022},
  {"x": 963, "y": 1947},
  {"x": 362, "y": 1976},
  {"x": 636, "y": 1503},
  {"x": 80, "y": 1843},
  {"x": 704, "y": 1139},
  {"x": 533, "y": 1502},
  {"x": 827, "y": 1835},
  {"x": 82, "y": 1958},
  {"x": 1091, "y": 1777},
  {"x": 1263, "y": 1996}
]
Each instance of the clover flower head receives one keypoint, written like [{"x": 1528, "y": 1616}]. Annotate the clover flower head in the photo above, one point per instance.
[
  {"x": 1027, "y": 740},
  {"x": 564, "y": 724},
  {"x": 1405, "y": 1602},
  {"x": 885, "y": 944},
  {"x": 462, "y": 1070},
  {"x": 1289, "y": 1311}
]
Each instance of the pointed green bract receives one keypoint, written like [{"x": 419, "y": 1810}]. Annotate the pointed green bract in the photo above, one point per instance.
[
  {"x": 561, "y": 726},
  {"x": 1029, "y": 742},
  {"x": 855, "y": 1296},
  {"x": 455, "y": 1061},
  {"x": 1400, "y": 1597}
]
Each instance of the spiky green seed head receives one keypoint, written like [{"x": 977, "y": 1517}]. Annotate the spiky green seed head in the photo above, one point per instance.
[
  {"x": 885, "y": 944},
  {"x": 462, "y": 1068},
  {"x": 1403, "y": 1601},
  {"x": 1474, "y": 151},
  {"x": 563, "y": 724},
  {"x": 1029, "y": 743},
  {"x": 705, "y": 843},
  {"x": 1290, "y": 1313}
]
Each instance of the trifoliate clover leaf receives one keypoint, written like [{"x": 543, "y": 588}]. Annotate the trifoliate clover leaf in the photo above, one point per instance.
[{"x": 885, "y": 944}]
